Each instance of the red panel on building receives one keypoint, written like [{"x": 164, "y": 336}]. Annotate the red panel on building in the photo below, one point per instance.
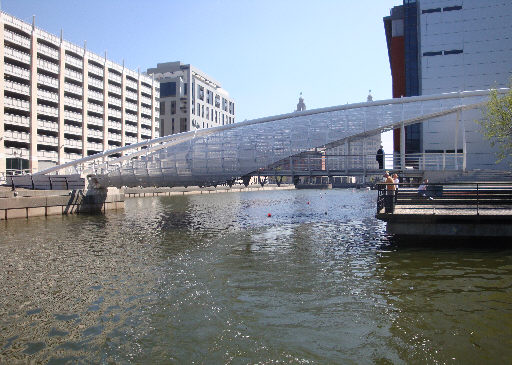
[{"x": 398, "y": 66}]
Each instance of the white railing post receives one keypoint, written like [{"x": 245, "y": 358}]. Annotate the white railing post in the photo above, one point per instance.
[
  {"x": 457, "y": 139},
  {"x": 402, "y": 144},
  {"x": 464, "y": 146}
]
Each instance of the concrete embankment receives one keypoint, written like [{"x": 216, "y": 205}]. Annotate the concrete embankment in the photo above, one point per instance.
[
  {"x": 164, "y": 191},
  {"x": 33, "y": 203}
]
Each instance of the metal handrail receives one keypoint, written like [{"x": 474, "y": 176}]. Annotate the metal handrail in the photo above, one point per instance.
[{"x": 475, "y": 188}]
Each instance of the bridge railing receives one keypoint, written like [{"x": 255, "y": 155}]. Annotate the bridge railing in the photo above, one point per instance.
[
  {"x": 349, "y": 162},
  {"x": 448, "y": 198}
]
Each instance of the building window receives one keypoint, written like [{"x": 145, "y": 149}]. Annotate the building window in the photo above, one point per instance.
[
  {"x": 207, "y": 113},
  {"x": 215, "y": 116},
  {"x": 173, "y": 107},
  {"x": 172, "y": 125},
  {"x": 183, "y": 124},
  {"x": 439, "y": 53},
  {"x": 167, "y": 89},
  {"x": 200, "y": 92},
  {"x": 185, "y": 89},
  {"x": 202, "y": 113},
  {"x": 198, "y": 109},
  {"x": 451, "y": 8},
  {"x": 428, "y": 11},
  {"x": 453, "y": 51},
  {"x": 209, "y": 97},
  {"x": 193, "y": 90},
  {"x": 162, "y": 107}
]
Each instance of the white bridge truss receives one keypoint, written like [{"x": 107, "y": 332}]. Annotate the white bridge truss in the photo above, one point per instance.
[{"x": 220, "y": 154}]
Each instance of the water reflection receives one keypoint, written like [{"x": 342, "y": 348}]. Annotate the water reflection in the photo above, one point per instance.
[{"x": 213, "y": 279}]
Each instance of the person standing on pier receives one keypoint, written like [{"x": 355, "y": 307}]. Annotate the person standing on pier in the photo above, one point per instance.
[
  {"x": 380, "y": 157},
  {"x": 390, "y": 193}
]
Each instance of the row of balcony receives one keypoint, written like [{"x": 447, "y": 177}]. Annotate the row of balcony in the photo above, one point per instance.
[
  {"x": 16, "y": 87},
  {"x": 68, "y": 115},
  {"x": 16, "y": 71},
  {"x": 95, "y": 108},
  {"x": 17, "y": 39},
  {"x": 18, "y": 120},
  {"x": 48, "y": 66},
  {"x": 53, "y": 155},
  {"x": 73, "y": 88},
  {"x": 95, "y": 82},
  {"x": 17, "y": 55},
  {"x": 95, "y": 95},
  {"x": 145, "y": 121},
  {"x": 131, "y": 95},
  {"x": 16, "y": 103},
  {"x": 114, "y": 101},
  {"x": 75, "y": 103},
  {"x": 48, "y": 110},
  {"x": 44, "y": 140},
  {"x": 47, "y": 125},
  {"x": 73, "y": 75},
  {"x": 98, "y": 71},
  {"x": 73, "y": 61},
  {"x": 130, "y": 106},
  {"x": 48, "y": 95},
  {"x": 114, "y": 89},
  {"x": 54, "y": 82},
  {"x": 131, "y": 83},
  {"x": 95, "y": 121},
  {"x": 48, "y": 51},
  {"x": 48, "y": 81},
  {"x": 17, "y": 152}
]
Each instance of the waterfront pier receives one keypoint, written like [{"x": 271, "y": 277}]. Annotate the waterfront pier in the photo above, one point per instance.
[{"x": 482, "y": 209}]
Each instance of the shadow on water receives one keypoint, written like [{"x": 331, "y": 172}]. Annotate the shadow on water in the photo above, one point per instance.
[{"x": 397, "y": 242}]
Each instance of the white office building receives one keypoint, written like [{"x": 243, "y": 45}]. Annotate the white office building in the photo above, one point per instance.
[
  {"x": 190, "y": 99},
  {"x": 62, "y": 102},
  {"x": 444, "y": 46}
]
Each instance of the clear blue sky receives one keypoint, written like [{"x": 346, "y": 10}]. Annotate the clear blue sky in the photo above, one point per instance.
[{"x": 263, "y": 52}]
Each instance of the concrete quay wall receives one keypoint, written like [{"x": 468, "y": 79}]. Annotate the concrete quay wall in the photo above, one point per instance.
[
  {"x": 484, "y": 226},
  {"x": 34, "y": 203},
  {"x": 192, "y": 190}
]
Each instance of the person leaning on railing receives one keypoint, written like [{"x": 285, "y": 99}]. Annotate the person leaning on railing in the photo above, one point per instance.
[
  {"x": 390, "y": 184},
  {"x": 390, "y": 193}
]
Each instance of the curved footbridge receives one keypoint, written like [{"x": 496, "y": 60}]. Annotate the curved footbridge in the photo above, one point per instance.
[{"x": 222, "y": 154}]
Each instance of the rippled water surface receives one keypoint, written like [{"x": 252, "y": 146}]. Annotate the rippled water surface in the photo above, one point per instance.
[{"x": 212, "y": 279}]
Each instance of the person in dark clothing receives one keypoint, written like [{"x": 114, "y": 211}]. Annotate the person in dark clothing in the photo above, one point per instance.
[{"x": 380, "y": 158}]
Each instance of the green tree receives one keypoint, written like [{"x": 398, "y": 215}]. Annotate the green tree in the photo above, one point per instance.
[{"x": 497, "y": 122}]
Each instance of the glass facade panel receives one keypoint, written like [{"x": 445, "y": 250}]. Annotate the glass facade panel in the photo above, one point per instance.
[{"x": 167, "y": 89}]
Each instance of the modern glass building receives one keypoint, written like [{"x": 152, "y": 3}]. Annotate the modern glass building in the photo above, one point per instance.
[
  {"x": 61, "y": 102},
  {"x": 443, "y": 46}
]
